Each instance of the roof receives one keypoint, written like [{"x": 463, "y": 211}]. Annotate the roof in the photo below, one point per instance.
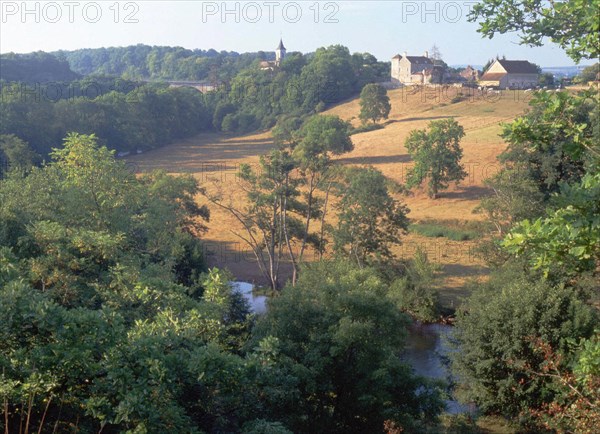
[
  {"x": 518, "y": 66},
  {"x": 267, "y": 65},
  {"x": 280, "y": 46},
  {"x": 397, "y": 56},
  {"x": 419, "y": 59},
  {"x": 494, "y": 76}
]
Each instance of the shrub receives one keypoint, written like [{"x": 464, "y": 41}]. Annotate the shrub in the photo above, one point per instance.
[{"x": 495, "y": 337}]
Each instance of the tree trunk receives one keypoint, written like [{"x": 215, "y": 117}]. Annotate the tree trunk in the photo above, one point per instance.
[{"x": 322, "y": 235}]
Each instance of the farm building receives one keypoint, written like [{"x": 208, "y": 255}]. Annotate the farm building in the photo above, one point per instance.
[
  {"x": 412, "y": 70},
  {"x": 470, "y": 73},
  {"x": 510, "y": 74}
]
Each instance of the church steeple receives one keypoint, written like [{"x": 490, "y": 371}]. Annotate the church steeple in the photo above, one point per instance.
[{"x": 280, "y": 52}]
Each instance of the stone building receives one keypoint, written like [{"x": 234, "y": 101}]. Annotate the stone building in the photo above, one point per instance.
[{"x": 510, "y": 74}]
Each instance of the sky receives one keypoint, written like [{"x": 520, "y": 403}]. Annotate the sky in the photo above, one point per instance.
[{"x": 382, "y": 28}]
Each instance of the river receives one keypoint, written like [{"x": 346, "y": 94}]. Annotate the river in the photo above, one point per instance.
[
  {"x": 258, "y": 303},
  {"x": 426, "y": 345},
  {"x": 427, "y": 349}
]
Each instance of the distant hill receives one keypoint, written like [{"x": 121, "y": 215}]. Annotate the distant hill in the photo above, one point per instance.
[
  {"x": 160, "y": 62},
  {"x": 38, "y": 67},
  {"x": 559, "y": 71},
  {"x": 564, "y": 71}
]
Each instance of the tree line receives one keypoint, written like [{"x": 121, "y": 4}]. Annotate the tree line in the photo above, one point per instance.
[{"x": 129, "y": 115}]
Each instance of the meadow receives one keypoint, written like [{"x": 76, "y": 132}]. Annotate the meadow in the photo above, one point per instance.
[{"x": 214, "y": 159}]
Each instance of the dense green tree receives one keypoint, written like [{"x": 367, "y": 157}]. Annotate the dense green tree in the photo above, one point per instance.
[
  {"x": 415, "y": 292},
  {"x": 524, "y": 339},
  {"x": 515, "y": 197},
  {"x": 496, "y": 337},
  {"x": 16, "y": 154},
  {"x": 35, "y": 68},
  {"x": 344, "y": 336},
  {"x": 437, "y": 154},
  {"x": 105, "y": 320},
  {"x": 573, "y": 25},
  {"x": 374, "y": 103},
  {"x": 589, "y": 73},
  {"x": 566, "y": 241},
  {"x": 553, "y": 141},
  {"x": 370, "y": 220}
]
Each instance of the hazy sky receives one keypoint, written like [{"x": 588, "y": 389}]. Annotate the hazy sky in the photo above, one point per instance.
[{"x": 383, "y": 28}]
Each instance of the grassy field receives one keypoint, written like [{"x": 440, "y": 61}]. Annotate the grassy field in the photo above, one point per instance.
[{"x": 214, "y": 159}]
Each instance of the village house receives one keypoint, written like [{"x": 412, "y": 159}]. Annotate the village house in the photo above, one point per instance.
[
  {"x": 470, "y": 74},
  {"x": 279, "y": 56},
  {"x": 510, "y": 74},
  {"x": 415, "y": 70}
]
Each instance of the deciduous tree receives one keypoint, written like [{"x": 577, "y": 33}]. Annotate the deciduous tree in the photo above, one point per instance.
[{"x": 437, "y": 154}]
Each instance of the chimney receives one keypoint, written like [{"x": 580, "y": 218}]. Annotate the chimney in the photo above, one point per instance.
[
  {"x": 404, "y": 54},
  {"x": 426, "y": 53}
]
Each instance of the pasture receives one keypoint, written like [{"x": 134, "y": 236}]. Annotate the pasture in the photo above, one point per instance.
[{"x": 214, "y": 160}]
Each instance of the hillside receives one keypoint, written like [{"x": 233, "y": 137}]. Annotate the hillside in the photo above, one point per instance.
[{"x": 214, "y": 159}]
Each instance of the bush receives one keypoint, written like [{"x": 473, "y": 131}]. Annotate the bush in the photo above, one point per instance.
[
  {"x": 239, "y": 123},
  {"x": 448, "y": 230},
  {"x": 365, "y": 128},
  {"x": 457, "y": 98},
  {"x": 415, "y": 293},
  {"x": 495, "y": 339}
]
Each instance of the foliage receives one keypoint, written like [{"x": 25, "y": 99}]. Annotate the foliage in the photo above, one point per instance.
[
  {"x": 370, "y": 220},
  {"x": 159, "y": 62},
  {"x": 245, "y": 98},
  {"x": 16, "y": 154},
  {"x": 365, "y": 128},
  {"x": 495, "y": 336},
  {"x": 279, "y": 216},
  {"x": 99, "y": 329},
  {"x": 374, "y": 103},
  {"x": 416, "y": 293},
  {"x": 137, "y": 118},
  {"x": 566, "y": 241},
  {"x": 343, "y": 338},
  {"x": 577, "y": 409},
  {"x": 35, "y": 68},
  {"x": 437, "y": 230},
  {"x": 546, "y": 80},
  {"x": 573, "y": 25},
  {"x": 552, "y": 141},
  {"x": 515, "y": 197},
  {"x": 269, "y": 226},
  {"x": 589, "y": 73},
  {"x": 436, "y": 154}
]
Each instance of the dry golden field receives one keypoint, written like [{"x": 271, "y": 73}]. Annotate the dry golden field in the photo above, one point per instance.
[{"x": 214, "y": 159}]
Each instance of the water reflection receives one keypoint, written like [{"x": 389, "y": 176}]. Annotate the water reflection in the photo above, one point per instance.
[
  {"x": 258, "y": 303},
  {"x": 427, "y": 352}
]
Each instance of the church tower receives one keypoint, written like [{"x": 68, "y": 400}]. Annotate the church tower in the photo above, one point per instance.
[{"x": 279, "y": 53}]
